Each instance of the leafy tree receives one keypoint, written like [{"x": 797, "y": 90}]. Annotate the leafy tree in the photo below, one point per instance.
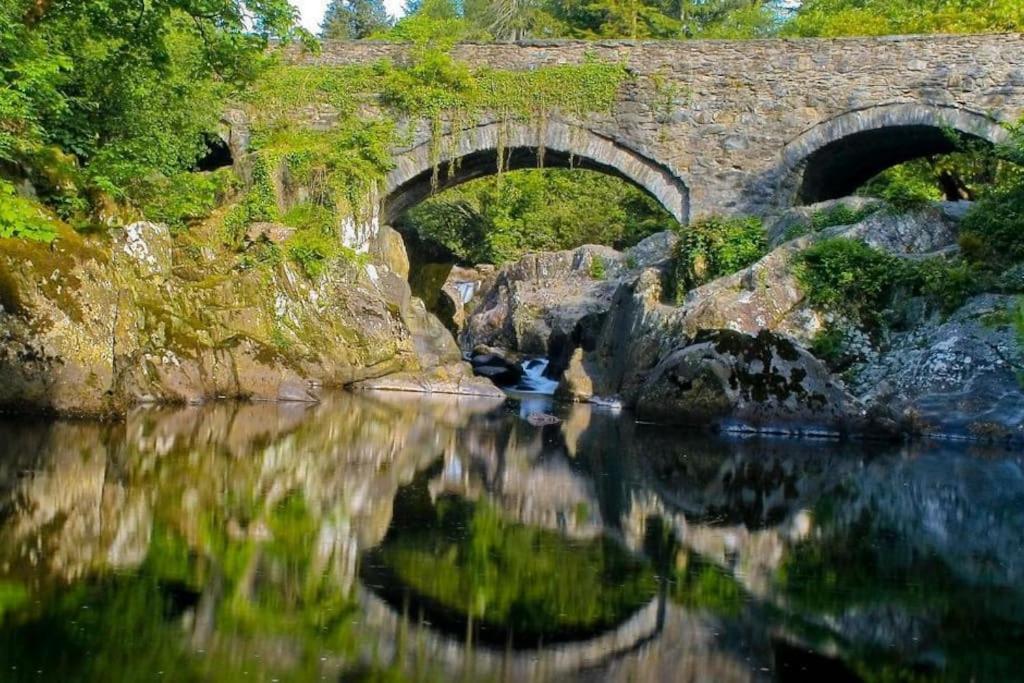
[
  {"x": 882, "y": 17},
  {"x": 495, "y": 220},
  {"x": 353, "y": 19},
  {"x": 510, "y": 20},
  {"x": 97, "y": 94}
]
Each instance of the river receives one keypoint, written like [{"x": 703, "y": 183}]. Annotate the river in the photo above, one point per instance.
[{"x": 393, "y": 537}]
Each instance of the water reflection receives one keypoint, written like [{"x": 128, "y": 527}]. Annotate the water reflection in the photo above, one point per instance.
[{"x": 430, "y": 539}]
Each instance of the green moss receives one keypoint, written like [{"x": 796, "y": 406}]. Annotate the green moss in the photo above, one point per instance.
[{"x": 341, "y": 167}]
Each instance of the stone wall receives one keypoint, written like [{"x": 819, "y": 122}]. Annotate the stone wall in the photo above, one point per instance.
[{"x": 727, "y": 126}]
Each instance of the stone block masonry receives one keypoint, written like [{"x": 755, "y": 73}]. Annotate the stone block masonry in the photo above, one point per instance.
[{"x": 734, "y": 126}]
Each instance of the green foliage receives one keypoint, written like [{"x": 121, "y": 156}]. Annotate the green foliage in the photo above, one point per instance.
[
  {"x": 258, "y": 204},
  {"x": 598, "y": 269},
  {"x": 850, "y": 278},
  {"x": 992, "y": 233},
  {"x": 829, "y": 18},
  {"x": 948, "y": 284},
  {"x": 22, "y": 218},
  {"x": 125, "y": 93},
  {"x": 714, "y": 247},
  {"x": 829, "y": 345},
  {"x": 498, "y": 219},
  {"x": 840, "y": 214},
  {"x": 12, "y": 596},
  {"x": 313, "y": 250},
  {"x": 184, "y": 197},
  {"x": 905, "y": 187},
  {"x": 351, "y": 19}
]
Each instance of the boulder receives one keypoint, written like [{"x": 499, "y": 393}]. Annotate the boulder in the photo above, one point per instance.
[
  {"x": 640, "y": 329},
  {"x": 457, "y": 378},
  {"x": 497, "y": 368},
  {"x": 388, "y": 249},
  {"x": 730, "y": 380},
  {"x": 957, "y": 377},
  {"x": 93, "y": 330},
  {"x": 544, "y": 296},
  {"x": 577, "y": 381}
]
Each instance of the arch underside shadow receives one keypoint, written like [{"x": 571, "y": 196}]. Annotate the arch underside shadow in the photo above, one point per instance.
[
  {"x": 476, "y": 155},
  {"x": 836, "y": 157}
]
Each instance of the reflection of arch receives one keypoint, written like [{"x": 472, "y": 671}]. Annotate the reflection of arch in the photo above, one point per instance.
[
  {"x": 837, "y": 156},
  {"x": 476, "y": 156},
  {"x": 643, "y": 627}
]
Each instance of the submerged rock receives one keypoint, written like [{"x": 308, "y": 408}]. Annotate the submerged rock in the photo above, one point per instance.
[{"x": 726, "y": 379}]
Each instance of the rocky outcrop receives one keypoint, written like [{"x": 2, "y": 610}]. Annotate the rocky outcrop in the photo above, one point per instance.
[
  {"x": 958, "y": 377},
  {"x": 536, "y": 303},
  {"x": 730, "y": 380},
  {"x": 93, "y": 326},
  {"x": 954, "y": 376}
]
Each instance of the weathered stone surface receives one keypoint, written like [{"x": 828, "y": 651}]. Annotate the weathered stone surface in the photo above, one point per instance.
[
  {"x": 577, "y": 381},
  {"x": 90, "y": 329},
  {"x": 958, "y": 377},
  {"x": 750, "y": 128},
  {"x": 641, "y": 330},
  {"x": 389, "y": 249},
  {"x": 457, "y": 378},
  {"x": 538, "y": 302},
  {"x": 730, "y": 380},
  {"x": 275, "y": 233},
  {"x": 146, "y": 247}
]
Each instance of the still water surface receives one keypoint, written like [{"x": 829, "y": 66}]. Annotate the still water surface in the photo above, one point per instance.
[{"x": 394, "y": 537}]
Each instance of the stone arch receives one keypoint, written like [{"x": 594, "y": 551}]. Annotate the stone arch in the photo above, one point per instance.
[
  {"x": 473, "y": 154},
  {"x": 837, "y": 156}
]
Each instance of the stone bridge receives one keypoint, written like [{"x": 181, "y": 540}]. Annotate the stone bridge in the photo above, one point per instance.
[{"x": 734, "y": 127}]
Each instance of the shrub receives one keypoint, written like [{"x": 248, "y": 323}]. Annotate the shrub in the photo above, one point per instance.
[
  {"x": 992, "y": 233},
  {"x": 904, "y": 187},
  {"x": 597, "y": 268},
  {"x": 715, "y": 247},
  {"x": 829, "y": 345},
  {"x": 23, "y": 218},
  {"x": 185, "y": 197},
  {"x": 840, "y": 214},
  {"x": 312, "y": 250},
  {"x": 848, "y": 277},
  {"x": 948, "y": 284}
]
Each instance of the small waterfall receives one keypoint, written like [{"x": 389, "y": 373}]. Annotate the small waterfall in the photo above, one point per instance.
[
  {"x": 533, "y": 380},
  {"x": 466, "y": 290}
]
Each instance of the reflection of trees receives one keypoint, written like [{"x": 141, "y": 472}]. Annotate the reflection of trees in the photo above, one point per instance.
[
  {"x": 520, "y": 584},
  {"x": 237, "y": 530},
  {"x": 241, "y": 522}
]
